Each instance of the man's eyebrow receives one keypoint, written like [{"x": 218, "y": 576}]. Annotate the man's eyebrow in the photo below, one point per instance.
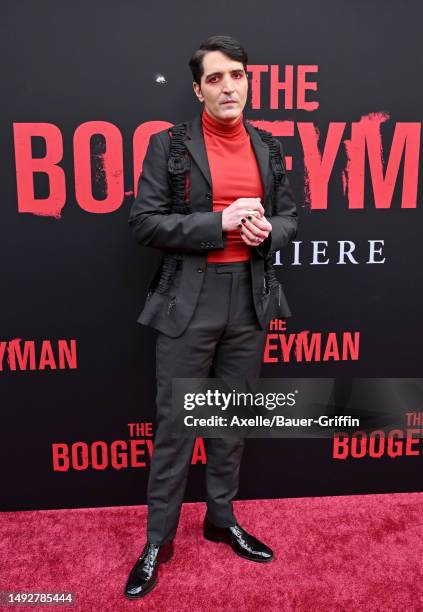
[{"x": 218, "y": 73}]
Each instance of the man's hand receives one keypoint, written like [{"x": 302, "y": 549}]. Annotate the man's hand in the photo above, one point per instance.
[
  {"x": 241, "y": 209},
  {"x": 255, "y": 230}
]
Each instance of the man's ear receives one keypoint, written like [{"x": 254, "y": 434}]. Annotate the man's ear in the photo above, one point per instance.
[{"x": 197, "y": 91}]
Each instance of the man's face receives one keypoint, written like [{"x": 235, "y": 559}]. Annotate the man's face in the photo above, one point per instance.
[{"x": 223, "y": 79}]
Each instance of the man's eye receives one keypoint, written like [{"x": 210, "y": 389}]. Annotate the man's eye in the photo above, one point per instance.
[{"x": 238, "y": 75}]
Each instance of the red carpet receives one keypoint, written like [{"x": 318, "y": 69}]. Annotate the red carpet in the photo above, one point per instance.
[{"x": 350, "y": 553}]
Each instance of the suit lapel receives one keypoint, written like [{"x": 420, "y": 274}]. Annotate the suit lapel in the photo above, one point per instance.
[
  {"x": 197, "y": 149},
  {"x": 262, "y": 154},
  {"x": 195, "y": 144}
]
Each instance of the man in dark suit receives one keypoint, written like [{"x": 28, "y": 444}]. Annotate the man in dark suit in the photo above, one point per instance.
[{"x": 214, "y": 294}]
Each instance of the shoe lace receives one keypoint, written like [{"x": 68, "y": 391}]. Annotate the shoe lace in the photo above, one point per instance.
[{"x": 149, "y": 556}]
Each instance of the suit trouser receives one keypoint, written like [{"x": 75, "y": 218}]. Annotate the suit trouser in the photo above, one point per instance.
[{"x": 223, "y": 339}]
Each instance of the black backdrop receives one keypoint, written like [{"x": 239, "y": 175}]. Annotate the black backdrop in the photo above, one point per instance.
[{"x": 81, "y": 276}]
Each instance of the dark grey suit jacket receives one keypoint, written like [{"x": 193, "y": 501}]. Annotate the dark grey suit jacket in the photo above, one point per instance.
[{"x": 194, "y": 234}]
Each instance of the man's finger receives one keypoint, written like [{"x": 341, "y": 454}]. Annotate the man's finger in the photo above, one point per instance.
[
  {"x": 256, "y": 205},
  {"x": 255, "y": 213},
  {"x": 254, "y": 230},
  {"x": 248, "y": 241},
  {"x": 254, "y": 238},
  {"x": 261, "y": 223}
]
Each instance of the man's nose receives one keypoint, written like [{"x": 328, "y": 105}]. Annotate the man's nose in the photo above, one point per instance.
[{"x": 228, "y": 85}]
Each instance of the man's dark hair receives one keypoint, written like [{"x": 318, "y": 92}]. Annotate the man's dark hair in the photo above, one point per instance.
[{"x": 226, "y": 44}]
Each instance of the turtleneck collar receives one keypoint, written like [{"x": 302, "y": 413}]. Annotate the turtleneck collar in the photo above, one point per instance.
[{"x": 211, "y": 126}]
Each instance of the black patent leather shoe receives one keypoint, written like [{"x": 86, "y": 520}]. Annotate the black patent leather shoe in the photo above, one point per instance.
[
  {"x": 143, "y": 576},
  {"x": 241, "y": 542}
]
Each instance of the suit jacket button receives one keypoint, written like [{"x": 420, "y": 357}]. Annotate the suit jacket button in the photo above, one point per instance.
[
  {"x": 208, "y": 196},
  {"x": 202, "y": 245},
  {"x": 199, "y": 270}
]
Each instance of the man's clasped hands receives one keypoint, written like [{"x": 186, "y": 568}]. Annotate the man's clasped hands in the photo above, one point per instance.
[{"x": 247, "y": 215}]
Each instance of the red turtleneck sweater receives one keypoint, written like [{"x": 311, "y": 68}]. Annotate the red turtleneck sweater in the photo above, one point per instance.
[{"x": 234, "y": 173}]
